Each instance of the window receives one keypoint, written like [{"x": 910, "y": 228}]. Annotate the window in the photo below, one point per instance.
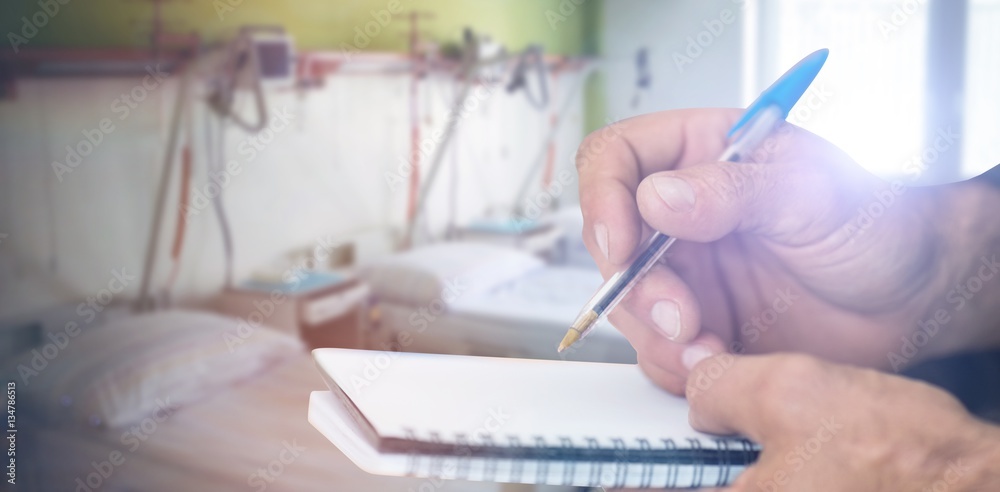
[
  {"x": 901, "y": 72},
  {"x": 981, "y": 149}
]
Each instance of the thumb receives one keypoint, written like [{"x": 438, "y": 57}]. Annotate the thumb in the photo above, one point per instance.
[
  {"x": 723, "y": 392},
  {"x": 790, "y": 202},
  {"x": 762, "y": 397}
]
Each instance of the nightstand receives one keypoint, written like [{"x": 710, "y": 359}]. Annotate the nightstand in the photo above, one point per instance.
[{"x": 324, "y": 309}]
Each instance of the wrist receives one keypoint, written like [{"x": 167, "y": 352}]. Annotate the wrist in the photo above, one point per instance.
[{"x": 964, "y": 294}]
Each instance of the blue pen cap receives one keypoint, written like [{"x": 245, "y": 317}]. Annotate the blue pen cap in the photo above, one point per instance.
[{"x": 787, "y": 90}]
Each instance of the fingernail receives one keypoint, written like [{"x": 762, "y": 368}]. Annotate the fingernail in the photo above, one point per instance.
[
  {"x": 676, "y": 193},
  {"x": 667, "y": 317},
  {"x": 601, "y": 234},
  {"x": 694, "y": 354}
]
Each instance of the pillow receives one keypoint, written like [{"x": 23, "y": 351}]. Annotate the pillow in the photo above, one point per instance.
[
  {"x": 446, "y": 271},
  {"x": 120, "y": 373}
]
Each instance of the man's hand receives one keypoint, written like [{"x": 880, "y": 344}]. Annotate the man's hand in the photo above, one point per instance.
[
  {"x": 833, "y": 428},
  {"x": 799, "y": 250}
]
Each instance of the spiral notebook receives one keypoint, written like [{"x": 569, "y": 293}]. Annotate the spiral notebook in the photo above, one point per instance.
[{"x": 516, "y": 421}]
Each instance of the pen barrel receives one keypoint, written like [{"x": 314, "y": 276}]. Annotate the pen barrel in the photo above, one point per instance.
[
  {"x": 751, "y": 137},
  {"x": 621, "y": 283}
]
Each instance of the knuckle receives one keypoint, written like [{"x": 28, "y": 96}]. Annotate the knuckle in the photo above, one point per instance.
[
  {"x": 737, "y": 181},
  {"x": 597, "y": 143},
  {"x": 725, "y": 184},
  {"x": 584, "y": 154}
]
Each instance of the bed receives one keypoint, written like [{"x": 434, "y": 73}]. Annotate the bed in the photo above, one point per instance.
[
  {"x": 478, "y": 299},
  {"x": 166, "y": 402}
]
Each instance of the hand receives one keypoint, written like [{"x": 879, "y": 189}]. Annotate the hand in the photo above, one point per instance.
[
  {"x": 831, "y": 428},
  {"x": 774, "y": 255}
]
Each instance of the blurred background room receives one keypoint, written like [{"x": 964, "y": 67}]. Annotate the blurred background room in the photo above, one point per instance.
[{"x": 194, "y": 193}]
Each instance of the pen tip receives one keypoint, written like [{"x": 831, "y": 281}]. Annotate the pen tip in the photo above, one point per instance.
[
  {"x": 583, "y": 323},
  {"x": 571, "y": 337}
]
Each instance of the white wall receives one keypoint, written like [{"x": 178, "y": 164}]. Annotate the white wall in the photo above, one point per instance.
[
  {"x": 712, "y": 79},
  {"x": 322, "y": 177}
]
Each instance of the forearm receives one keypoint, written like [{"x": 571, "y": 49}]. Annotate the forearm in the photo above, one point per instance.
[
  {"x": 982, "y": 462},
  {"x": 966, "y": 299}
]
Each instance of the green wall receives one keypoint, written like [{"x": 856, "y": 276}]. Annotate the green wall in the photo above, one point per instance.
[
  {"x": 561, "y": 26},
  {"x": 315, "y": 24}
]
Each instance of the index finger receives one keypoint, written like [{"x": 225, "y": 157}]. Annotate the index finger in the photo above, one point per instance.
[{"x": 612, "y": 161}]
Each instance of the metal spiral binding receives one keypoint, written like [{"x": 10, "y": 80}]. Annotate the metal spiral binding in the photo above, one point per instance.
[
  {"x": 646, "y": 479},
  {"x": 543, "y": 467},
  {"x": 725, "y": 467},
  {"x": 412, "y": 458},
  {"x": 595, "y": 473},
  {"x": 569, "y": 467},
  {"x": 517, "y": 468},
  {"x": 437, "y": 462},
  {"x": 463, "y": 465},
  {"x": 673, "y": 472},
  {"x": 491, "y": 463},
  {"x": 701, "y": 456},
  {"x": 699, "y": 470},
  {"x": 748, "y": 447},
  {"x": 621, "y": 472}
]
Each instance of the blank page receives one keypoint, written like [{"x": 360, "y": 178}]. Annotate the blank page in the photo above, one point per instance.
[{"x": 490, "y": 400}]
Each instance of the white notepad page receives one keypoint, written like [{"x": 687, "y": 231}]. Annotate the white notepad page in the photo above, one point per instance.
[{"x": 488, "y": 400}]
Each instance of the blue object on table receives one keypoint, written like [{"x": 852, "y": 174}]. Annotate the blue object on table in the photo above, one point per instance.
[
  {"x": 505, "y": 227},
  {"x": 307, "y": 282}
]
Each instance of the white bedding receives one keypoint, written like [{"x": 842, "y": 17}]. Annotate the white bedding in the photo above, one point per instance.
[
  {"x": 441, "y": 272},
  {"x": 523, "y": 317},
  {"x": 550, "y": 295}
]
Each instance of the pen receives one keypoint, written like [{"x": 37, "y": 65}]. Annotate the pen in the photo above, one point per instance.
[{"x": 757, "y": 122}]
